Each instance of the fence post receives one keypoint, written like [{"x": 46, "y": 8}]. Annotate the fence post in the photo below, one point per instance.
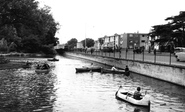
[
  {"x": 133, "y": 54},
  {"x": 154, "y": 55},
  {"x": 119, "y": 52},
  {"x": 126, "y": 53},
  {"x": 143, "y": 55}
]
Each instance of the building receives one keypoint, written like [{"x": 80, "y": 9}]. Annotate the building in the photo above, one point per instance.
[
  {"x": 79, "y": 45},
  {"x": 97, "y": 45},
  {"x": 132, "y": 40},
  {"x": 127, "y": 40},
  {"x": 123, "y": 41},
  {"x": 111, "y": 41}
]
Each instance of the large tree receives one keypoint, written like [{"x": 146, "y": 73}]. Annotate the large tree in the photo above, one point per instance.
[
  {"x": 72, "y": 43},
  {"x": 88, "y": 42},
  {"x": 174, "y": 30},
  {"x": 20, "y": 19}
]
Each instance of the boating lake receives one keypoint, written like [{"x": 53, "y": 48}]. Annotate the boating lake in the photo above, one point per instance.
[{"x": 64, "y": 90}]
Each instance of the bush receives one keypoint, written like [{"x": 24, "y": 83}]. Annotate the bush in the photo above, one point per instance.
[{"x": 48, "y": 49}]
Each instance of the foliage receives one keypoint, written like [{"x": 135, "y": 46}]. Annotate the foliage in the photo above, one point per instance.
[
  {"x": 48, "y": 49},
  {"x": 88, "y": 42},
  {"x": 31, "y": 44},
  {"x": 101, "y": 41},
  {"x": 72, "y": 43},
  {"x": 3, "y": 45},
  {"x": 20, "y": 19},
  {"x": 174, "y": 30},
  {"x": 12, "y": 47}
]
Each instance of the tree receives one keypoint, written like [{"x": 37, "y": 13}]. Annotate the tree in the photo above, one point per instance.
[
  {"x": 20, "y": 19},
  {"x": 101, "y": 41},
  {"x": 178, "y": 27},
  {"x": 88, "y": 42},
  {"x": 72, "y": 43},
  {"x": 173, "y": 30}
]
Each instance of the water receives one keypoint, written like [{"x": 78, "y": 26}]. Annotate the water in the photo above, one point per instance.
[{"x": 62, "y": 90}]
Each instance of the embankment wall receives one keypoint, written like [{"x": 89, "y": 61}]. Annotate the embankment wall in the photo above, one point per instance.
[{"x": 169, "y": 73}]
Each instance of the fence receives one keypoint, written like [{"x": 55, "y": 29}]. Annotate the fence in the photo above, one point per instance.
[{"x": 167, "y": 58}]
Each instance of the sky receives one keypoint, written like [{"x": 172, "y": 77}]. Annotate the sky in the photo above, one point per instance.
[{"x": 82, "y": 19}]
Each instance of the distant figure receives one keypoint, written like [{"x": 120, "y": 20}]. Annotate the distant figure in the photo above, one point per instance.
[
  {"x": 154, "y": 51},
  {"x": 45, "y": 66},
  {"x": 137, "y": 94},
  {"x": 28, "y": 63},
  {"x": 38, "y": 66},
  {"x": 113, "y": 68},
  {"x": 126, "y": 69}
]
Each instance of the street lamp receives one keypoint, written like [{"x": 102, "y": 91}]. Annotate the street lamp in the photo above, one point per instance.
[{"x": 114, "y": 42}]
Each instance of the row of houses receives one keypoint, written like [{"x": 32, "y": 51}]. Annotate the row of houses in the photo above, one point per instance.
[{"x": 126, "y": 40}]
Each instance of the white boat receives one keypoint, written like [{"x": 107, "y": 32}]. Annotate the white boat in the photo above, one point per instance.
[
  {"x": 42, "y": 70},
  {"x": 128, "y": 96}
]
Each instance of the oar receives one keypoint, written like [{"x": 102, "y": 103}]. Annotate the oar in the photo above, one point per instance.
[{"x": 118, "y": 90}]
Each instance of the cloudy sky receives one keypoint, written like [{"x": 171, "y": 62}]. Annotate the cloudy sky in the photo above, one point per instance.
[{"x": 82, "y": 19}]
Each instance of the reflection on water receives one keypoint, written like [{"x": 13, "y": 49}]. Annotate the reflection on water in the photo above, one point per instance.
[
  {"x": 62, "y": 90},
  {"x": 24, "y": 91}
]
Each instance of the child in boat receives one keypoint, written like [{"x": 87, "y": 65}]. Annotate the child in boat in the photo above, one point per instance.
[
  {"x": 45, "y": 66},
  {"x": 137, "y": 94}
]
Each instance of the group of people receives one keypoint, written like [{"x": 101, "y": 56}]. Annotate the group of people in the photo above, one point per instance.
[{"x": 44, "y": 66}]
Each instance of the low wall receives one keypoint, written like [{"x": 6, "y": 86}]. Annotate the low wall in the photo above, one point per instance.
[{"x": 173, "y": 74}]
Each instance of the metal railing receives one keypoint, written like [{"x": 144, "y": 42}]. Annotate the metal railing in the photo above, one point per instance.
[{"x": 166, "y": 58}]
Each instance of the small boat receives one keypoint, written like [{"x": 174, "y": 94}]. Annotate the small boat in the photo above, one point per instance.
[
  {"x": 26, "y": 66},
  {"x": 88, "y": 69},
  {"x": 53, "y": 59},
  {"x": 128, "y": 97},
  {"x": 115, "y": 71},
  {"x": 42, "y": 70}
]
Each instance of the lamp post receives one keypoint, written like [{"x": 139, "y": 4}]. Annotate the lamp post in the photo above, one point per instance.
[
  {"x": 114, "y": 42},
  {"x": 109, "y": 43}
]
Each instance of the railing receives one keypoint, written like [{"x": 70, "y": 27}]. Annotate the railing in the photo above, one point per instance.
[{"x": 145, "y": 56}]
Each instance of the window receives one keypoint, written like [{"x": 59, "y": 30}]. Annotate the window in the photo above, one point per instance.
[
  {"x": 131, "y": 35},
  {"x": 142, "y": 35},
  {"x": 142, "y": 40}
]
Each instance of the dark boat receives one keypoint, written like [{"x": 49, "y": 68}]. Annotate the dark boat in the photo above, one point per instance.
[
  {"x": 88, "y": 69},
  {"x": 26, "y": 66},
  {"x": 115, "y": 71}
]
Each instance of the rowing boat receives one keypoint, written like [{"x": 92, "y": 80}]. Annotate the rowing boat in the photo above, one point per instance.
[
  {"x": 128, "y": 97},
  {"x": 115, "y": 71},
  {"x": 88, "y": 69},
  {"x": 42, "y": 71}
]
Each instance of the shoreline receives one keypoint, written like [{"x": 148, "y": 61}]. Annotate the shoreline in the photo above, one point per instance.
[
  {"x": 16, "y": 62},
  {"x": 12, "y": 65}
]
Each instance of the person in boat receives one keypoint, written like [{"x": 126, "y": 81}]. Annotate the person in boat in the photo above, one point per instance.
[
  {"x": 114, "y": 68},
  {"x": 45, "y": 66},
  {"x": 126, "y": 69},
  {"x": 28, "y": 63},
  {"x": 137, "y": 94},
  {"x": 38, "y": 66}
]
